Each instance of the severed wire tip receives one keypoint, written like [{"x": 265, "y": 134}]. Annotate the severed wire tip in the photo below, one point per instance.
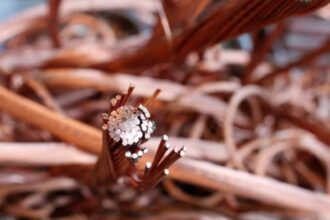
[
  {"x": 165, "y": 137},
  {"x": 155, "y": 95},
  {"x": 118, "y": 97},
  {"x": 140, "y": 153},
  {"x": 113, "y": 102},
  {"x": 128, "y": 154},
  {"x": 167, "y": 146},
  {"x": 135, "y": 157},
  {"x": 148, "y": 164},
  {"x": 152, "y": 98},
  {"x": 147, "y": 168},
  {"x": 145, "y": 150},
  {"x": 144, "y": 110},
  {"x": 147, "y": 136},
  {"x": 182, "y": 153}
]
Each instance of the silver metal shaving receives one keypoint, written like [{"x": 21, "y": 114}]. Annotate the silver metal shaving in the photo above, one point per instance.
[{"x": 129, "y": 124}]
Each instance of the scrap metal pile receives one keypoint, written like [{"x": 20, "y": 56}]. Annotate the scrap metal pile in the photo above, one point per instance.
[{"x": 244, "y": 86}]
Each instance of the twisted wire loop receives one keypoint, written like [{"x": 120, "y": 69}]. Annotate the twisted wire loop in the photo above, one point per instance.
[{"x": 125, "y": 128}]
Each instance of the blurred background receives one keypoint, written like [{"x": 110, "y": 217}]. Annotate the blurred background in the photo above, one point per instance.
[
  {"x": 245, "y": 86},
  {"x": 11, "y": 7}
]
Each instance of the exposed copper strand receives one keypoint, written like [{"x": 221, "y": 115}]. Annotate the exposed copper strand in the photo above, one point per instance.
[
  {"x": 121, "y": 102},
  {"x": 147, "y": 169},
  {"x": 128, "y": 95},
  {"x": 118, "y": 98},
  {"x": 161, "y": 150},
  {"x": 170, "y": 159},
  {"x": 152, "y": 183},
  {"x": 152, "y": 98}
]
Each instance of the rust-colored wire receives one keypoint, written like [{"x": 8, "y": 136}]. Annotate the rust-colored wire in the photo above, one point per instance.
[{"x": 54, "y": 8}]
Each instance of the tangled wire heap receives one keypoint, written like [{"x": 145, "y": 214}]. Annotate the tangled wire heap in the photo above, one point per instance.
[
  {"x": 251, "y": 100},
  {"x": 125, "y": 128}
]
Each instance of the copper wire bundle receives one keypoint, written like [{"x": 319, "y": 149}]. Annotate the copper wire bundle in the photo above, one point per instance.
[{"x": 124, "y": 130}]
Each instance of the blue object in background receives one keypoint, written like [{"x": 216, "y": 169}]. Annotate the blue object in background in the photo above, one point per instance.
[{"x": 10, "y": 7}]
